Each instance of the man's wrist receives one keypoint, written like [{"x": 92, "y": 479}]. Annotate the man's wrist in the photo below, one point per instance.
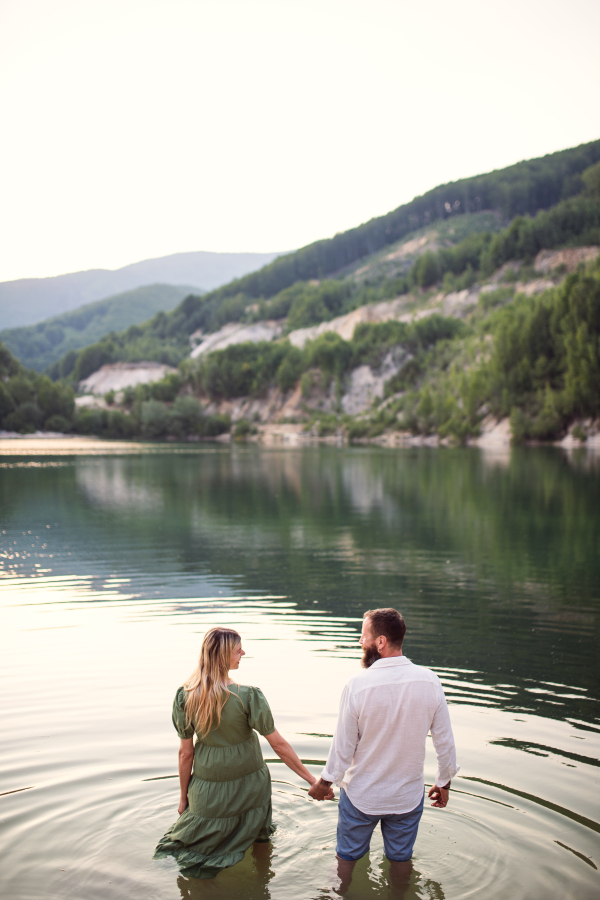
[
  {"x": 445, "y": 787},
  {"x": 324, "y": 783}
]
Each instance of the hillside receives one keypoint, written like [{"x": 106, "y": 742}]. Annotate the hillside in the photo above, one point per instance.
[
  {"x": 521, "y": 344},
  {"x": 30, "y": 300},
  {"x": 39, "y": 346},
  {"x": 459, "y": 324},
  {"x": 284, "y": 288},
  {"x": 166, "y": 339},
  {"x": 421, "y": 260},
  {"x": 521, "y": 189}
]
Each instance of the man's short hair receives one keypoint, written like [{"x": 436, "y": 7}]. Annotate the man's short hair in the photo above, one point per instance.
[{"x": 387, "y": 623}]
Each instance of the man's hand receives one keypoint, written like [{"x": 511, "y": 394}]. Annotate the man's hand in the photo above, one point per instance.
[
  {"x": 440, "y": 795},
  {"x": 321, "y": 790}
]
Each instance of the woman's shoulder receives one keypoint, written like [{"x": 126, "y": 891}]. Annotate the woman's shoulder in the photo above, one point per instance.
[
  {"x": 246, "y": 689},
  {"x": 251, "y": 696},
  {"x": 248, "y": 693},
  {"x": 180, "y": 697}
]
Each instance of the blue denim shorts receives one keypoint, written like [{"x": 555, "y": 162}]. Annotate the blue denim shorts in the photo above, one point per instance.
[{"x": 355, "y": 828}]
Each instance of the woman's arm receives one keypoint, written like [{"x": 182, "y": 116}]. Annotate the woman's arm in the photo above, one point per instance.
[
  {"x": 186, "y": 759},
  {"x": 288, "y": 755}
]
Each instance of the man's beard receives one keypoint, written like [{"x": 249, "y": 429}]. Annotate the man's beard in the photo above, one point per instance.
[{"x": 370, "y": 655}]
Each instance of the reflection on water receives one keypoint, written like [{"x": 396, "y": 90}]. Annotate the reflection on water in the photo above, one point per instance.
[{"x": 113, "y": 567}]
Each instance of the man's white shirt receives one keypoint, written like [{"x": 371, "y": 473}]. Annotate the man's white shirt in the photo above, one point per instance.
[{"x": 378, "y": 749}]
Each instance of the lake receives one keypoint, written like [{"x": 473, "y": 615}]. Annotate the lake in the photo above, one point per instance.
[{"x": 115, "y": 559}]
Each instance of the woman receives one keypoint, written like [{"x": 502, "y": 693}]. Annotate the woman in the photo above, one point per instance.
[{"x": 225, "y": 806}]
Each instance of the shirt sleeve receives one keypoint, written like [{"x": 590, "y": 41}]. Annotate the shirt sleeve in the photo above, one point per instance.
[
  {"x": 443, "y": 742},
  {"x": 179, "y": 721},
  {"x": 260, "y": 717},
  {"x": 344, "y": 741}
]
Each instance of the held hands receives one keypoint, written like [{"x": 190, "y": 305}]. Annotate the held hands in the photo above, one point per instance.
[
  {"x": 440, "y": 795},
  {"x": 321, "y": 790}
]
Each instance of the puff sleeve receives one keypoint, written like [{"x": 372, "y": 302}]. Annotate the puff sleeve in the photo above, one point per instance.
[
  {"x": 183, "y": 730},
  {"x": 260, "y": 717}
]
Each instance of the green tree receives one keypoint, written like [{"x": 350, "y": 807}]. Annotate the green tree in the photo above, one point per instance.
[
  {"x": 591, "y": 179},
  {"x": 155, "y": 418},
  {"x": 427, "y": 270},
  {"x": 186, "y": 416}
]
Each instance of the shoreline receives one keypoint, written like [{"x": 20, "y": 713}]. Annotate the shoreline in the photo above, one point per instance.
[{"x": 289, "y": 435}]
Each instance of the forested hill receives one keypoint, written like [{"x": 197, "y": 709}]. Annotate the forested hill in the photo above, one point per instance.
[
  {"x": 38, "y": 346},
  {"x": 488, "y": 322},
  {"x": 524, "y": 187},
  {"x": 521, "y": 189}
]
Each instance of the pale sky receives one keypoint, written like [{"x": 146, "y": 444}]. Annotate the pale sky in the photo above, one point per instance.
[{"x": 138, "y": 128}]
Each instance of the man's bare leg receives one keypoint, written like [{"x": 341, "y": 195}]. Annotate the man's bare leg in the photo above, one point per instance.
[
  {"x": 400, "y": 873},
  {"x": 345, "y": 868}
]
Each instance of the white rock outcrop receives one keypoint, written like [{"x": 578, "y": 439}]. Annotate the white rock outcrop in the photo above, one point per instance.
[
  {"x": 366, "y": 384},
  {"x": 495, "y": 434},
  {"x": 530, "y": 288},
  {"x": 236, "y": 333},
  {"x": 121, "y": 375},
  {"x": 459, "y": 303},
  {"x": 548, "y": 260},
  {"x": 346, "y": 325}
]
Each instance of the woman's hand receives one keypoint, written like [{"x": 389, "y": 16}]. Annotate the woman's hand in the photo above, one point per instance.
[{"x": 183, "y": 804}]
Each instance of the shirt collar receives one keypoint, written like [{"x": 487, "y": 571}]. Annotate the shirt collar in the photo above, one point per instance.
[{"x": 391, "y": 661}]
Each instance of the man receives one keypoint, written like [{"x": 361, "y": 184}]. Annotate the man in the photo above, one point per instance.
[{"x": 378, "y": 749}]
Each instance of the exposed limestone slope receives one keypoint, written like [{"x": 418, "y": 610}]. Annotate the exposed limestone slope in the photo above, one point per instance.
[
  {"x": 346, "y": 325},
  {"x": 121, "y": 375},
  {"x": 548, "y": 260},
  {"x": 365, "y": 384},
  {"x": 406, "y": 308},
  {"x": 234, "y": 333}
]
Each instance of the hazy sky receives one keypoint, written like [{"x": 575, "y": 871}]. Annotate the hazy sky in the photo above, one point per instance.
[{"x": 138, "y": 128}]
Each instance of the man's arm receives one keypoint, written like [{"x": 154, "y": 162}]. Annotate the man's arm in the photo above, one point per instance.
[
  {"x": 342, "y": 749},
  {"x": 443, "y": 742}
]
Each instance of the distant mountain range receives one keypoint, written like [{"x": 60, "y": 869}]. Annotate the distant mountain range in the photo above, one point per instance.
[
  {"x": 38, "y": 346},
  {"x": 30, "y": 300}
]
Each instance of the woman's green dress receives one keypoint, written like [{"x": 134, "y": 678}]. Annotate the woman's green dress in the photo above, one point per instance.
[{"x": 230, "y": 790}]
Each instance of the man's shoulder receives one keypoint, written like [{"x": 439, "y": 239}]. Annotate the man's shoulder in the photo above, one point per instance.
[
  {"x": 358, "y": 682},
  {"x": 423, "y": 673},
  {"x": 406, "y": 673}
]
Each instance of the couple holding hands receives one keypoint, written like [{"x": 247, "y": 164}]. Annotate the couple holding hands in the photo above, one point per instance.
[{"x": 376, "y": 757}]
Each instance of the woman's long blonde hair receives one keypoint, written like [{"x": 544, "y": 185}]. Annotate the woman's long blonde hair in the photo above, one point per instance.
[{"x": 207, "y": 685}]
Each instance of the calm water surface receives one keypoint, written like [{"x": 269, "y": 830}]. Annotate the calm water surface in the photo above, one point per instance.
[{"x": 113, "y": 566}]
